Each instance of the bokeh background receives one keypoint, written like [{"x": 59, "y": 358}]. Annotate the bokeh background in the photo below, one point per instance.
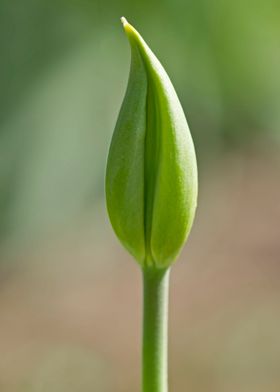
[{"x": 70, "y": 296}]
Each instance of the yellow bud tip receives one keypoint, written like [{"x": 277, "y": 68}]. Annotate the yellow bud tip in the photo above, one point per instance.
[{"x": 124, "y": 21}]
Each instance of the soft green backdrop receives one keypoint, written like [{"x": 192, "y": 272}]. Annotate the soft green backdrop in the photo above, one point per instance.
[{"x": 64, "y": 67}]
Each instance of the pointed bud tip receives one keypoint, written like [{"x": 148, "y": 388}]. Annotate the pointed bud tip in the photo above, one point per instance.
[
  {"x": 124, "y": 21},
  {"x": 129, "y": 29}
]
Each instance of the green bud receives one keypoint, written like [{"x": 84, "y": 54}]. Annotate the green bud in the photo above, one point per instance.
[{"x": 151, "y": 178}]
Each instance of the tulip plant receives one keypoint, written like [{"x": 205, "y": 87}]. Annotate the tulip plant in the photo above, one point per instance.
[{"x": 151, "y": 192}]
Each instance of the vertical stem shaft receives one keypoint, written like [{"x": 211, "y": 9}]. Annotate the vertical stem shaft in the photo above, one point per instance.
[{"x": 155, "y": 330}]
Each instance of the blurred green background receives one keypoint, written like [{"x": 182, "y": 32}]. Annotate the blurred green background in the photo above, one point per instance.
[{"x": 70, "y": 296}]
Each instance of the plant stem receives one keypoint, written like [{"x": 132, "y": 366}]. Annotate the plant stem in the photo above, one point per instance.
[{"x": 155, "y": 327}]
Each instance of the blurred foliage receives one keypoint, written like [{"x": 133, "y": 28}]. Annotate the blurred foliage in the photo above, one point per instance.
[
  {"x": 68, "y": 369},
  {"x": 64, "y": 66}
]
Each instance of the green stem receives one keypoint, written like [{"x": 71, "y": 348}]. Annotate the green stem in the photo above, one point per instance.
[{"x": 155, "y": 325}]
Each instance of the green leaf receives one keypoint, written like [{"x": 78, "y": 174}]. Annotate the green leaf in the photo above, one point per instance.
[{"x": 151, "y": 178}]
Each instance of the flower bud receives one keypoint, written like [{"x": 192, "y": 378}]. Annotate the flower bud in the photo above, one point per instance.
[{"x": 151, "y": 178}]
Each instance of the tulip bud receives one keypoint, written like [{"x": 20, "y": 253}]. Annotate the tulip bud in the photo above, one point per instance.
[{"x": 151, "y": 178}]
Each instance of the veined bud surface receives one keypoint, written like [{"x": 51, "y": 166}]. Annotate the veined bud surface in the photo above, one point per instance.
[{"x": 151, "y": 176}]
